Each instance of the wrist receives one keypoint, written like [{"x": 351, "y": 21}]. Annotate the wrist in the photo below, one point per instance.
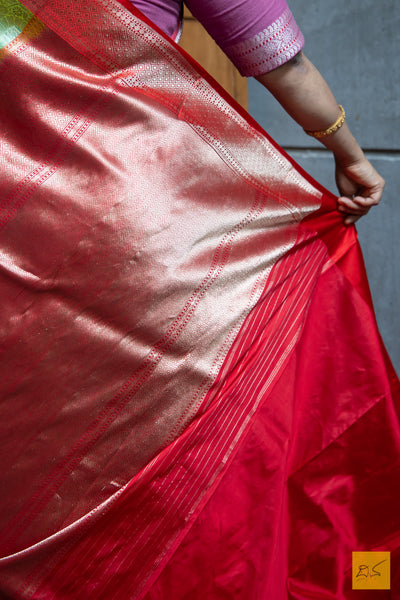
[{"x": 344, "y": 146}]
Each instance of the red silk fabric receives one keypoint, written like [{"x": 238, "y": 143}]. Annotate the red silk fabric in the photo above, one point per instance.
[{"x": 195, "y": 399}]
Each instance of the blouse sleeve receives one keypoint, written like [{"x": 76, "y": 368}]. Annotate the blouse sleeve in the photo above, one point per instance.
[{"x": 257, "y": 35}]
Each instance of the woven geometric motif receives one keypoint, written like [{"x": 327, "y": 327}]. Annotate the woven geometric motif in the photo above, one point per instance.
[
  {"x": 15, "y": 20},
  {"x": 269, "y": 48}
]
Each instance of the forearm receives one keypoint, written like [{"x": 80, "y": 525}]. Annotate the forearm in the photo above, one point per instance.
[{"x": 305, "y": 95}]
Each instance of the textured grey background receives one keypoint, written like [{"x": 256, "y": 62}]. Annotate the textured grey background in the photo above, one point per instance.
[{"x": 355, "y": 44}]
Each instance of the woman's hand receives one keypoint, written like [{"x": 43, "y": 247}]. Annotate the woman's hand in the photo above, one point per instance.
[
  {"x": 306, "y": 96},
  {"x": 360, "y": 187}
]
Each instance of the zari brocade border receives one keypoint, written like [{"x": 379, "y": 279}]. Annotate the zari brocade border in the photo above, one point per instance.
[
  {"x": 269, "y": 48},
  {"x": 227, "y": 264}
]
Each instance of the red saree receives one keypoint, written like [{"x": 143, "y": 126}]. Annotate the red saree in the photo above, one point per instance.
[{"x": 196, "y": 402}]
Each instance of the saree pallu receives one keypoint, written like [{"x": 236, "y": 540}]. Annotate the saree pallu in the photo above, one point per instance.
[{"x": 195, "y": 399}]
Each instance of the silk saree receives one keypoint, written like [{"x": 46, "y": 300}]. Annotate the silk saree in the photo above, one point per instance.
[{"x": 196, "y": 402}]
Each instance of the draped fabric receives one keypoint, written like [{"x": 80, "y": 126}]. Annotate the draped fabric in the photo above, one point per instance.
[{"x": 195, "y": 400}]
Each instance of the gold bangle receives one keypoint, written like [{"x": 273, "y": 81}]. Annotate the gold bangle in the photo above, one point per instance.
[{"x": 332, "y": 128}]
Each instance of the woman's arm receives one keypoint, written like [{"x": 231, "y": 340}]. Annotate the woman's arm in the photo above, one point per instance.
[{"x": 305, "y": 95}]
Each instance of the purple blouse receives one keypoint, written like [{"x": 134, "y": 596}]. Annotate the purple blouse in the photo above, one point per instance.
[{"x": 257, "y": 35}]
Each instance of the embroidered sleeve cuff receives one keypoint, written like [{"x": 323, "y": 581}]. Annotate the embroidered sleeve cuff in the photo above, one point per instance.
[{"x": 268, "y": 49}]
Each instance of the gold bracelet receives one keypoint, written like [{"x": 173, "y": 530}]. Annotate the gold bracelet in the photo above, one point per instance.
[{"x": 332, "y": 128}]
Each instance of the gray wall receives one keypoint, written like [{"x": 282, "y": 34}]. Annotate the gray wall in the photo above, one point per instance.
[{"x": 355, "y": 44}]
